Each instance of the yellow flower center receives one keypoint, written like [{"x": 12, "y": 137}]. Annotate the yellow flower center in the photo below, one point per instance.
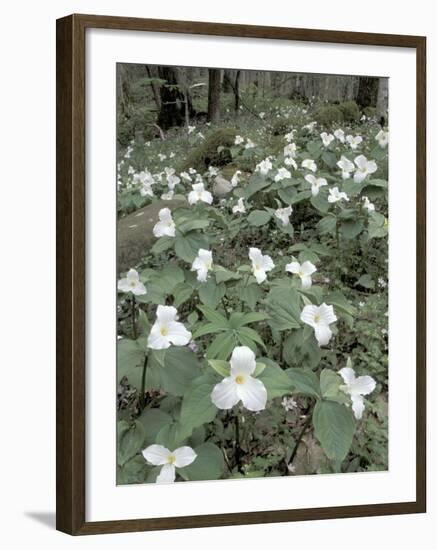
[
  {"x": 133, "y": 283},
  {"x": 257, "y": 267},
  {"x": 171, "y": 459},
  {"x": 164, "y": 331},
  {"x": 316, "y": 318},
  {"x": 239, "y": 379}
]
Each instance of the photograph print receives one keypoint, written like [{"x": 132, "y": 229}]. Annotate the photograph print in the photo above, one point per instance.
[{"x": 252, "y": 274}]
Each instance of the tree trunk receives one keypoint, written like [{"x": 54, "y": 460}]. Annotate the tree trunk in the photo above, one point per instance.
[
  {"x": 214, "y": 82},
  {"x": 237, "y": 91},
  {"x": 172, "y": 112},
  {"x": 367, "y": 91},
  {"x": 154, "y": 88},
  {"x": 382, "y": 100}
]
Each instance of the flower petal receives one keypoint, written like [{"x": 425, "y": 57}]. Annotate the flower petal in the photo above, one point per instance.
[
  {"x": 178, "y": 334},
  {"x": 156, "y": 340},
  {"x": 156, "y": 454},
  {"x": 327, "y": 314},
  {"x": 242, "y": 361},
  {"x": 166, "y": 314},
  {"x": 308, "y": 268},
  {"x": 184, "y": 456},
  {"x": 357, "y": 406},
  {"x": 364, "y": 385},
  {"x": 308, "y": 314},
  {"x": 224, "y": 395},
  {"x": 253, "y": 394},
  {"x": 348, "y": 375},
  {"x": 323, "y": 334},
  {"x": 167, "y": 474},
  {"x": 293, "y": 267}
]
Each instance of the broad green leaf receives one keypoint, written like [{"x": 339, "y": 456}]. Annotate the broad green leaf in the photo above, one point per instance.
[
  {"x": 130, "y": 361},
  {"x": 327, "y": 224},
  {"x": 214, "y": 316},
  {"x": 168, "y": 278},
  {"x": 350, "y": 229},
  {"x": 130, "y": 441},
  {"x": 134, "y": 470},
  {"x": 330, "y": 383},
  {"x": 182, "y": 292},
  {"x": 223, "y": 368},
  {"x": 301, "y": 349},
  {"x": 256, "y": 183},
  {"x": 334, "y": 427},
  {"x": 187, "y": 246},
  {"x": 329, "y": 158},
  {"x": 365, "y": 281},
  {"x": 171, "y": 436},
  {"x": 163, "y": 244},
  {"x": 283, "y": 307},
  {"x": 287, "y": 195},
  {"x": 211, "y": 293},
  {"x": 208, "y": 328},
  {"x": 197, "y": 407},
  {"x": 180, "y": 367},
  {"x": 222, "y": 275},
  {"x": 250, "y": 294},
  {"x": 222, "y": 346},
  {"x": 304, "y": 381},
  {"x": 275, "y": 380},
  {"x": 153, "y": 420},
  {"x": 248, "y": 332},
  {"x": 258, "y": 217},
  {"x": 209, "y": 464},
  {"x": 189, "y": 225}
]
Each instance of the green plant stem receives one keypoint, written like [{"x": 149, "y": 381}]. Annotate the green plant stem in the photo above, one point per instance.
[
  {"x": 134, "y": 321},
  {"x": 143, "y": 383},
  {"x": 237, "y": 443},
  {"x": 300, "y": 436}
]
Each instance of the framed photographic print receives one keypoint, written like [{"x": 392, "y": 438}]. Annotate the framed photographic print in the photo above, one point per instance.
[{"x": 240, "y": 274}]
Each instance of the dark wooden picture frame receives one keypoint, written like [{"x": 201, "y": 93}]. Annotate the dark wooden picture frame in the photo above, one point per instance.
[{"x": 71, "y": 247}]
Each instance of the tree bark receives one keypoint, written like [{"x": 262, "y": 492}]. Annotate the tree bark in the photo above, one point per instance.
[
  {"x": 172, "y": 112},
  {"x": 367, "y": 91},
  {"x": 154, "y": 88},
  {"x": 237, "y": 91},
  {"x": 382, "y": 100},
  {"x": 214, "y": 83}
]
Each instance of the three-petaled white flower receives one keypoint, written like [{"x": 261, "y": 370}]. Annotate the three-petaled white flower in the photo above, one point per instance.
[
  {"x": 289, "y": 161},
  {"x": 339, "y": 134},
  {"x": 290, "y": 136},
  {"x": 304, "y": 270},
  {"x": 264, "y": 166},
  {"x": 166, "y": 225},
  {"x": 172, "y": 179},
  {"x": 354, "y": 141},
  {"x": 356, "y": 388},
  {"x": 309, "y": 164},
  {"x": 327, "y": 139},
  {"x": 382, "y": 138},
  {"x": 235, "y": 180},
  {"x": 199, "y": 194},
  {"x": 132, "y": 283},
  {"x": 364, "y": 168},
  {"x": 282, "y": 174},
  {"x": 335, "y": 195},
  {"x": 319, "y": 318},
  {"x": 368, "y": 205},
  {"x": 240, "y": 385},
  {"x": 202, "y": 264},
  {"x": 346, "y": 166},
  {"x": 249, "y": 144},
  {"x": 316, "y": 183},
  {"x": 284, "y": 214},
  {"x": 239, "y": 207},
  {"x": 239, "y": 140},
  {"x": 167, "y": 330},
  {"x": 290, "y": 150},
  {"x": 260, "y": 264},
  {"x": 169, "y": 460}
]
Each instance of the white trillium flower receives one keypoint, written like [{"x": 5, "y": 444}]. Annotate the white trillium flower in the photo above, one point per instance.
[
  {"x": 213, "y": 171},
  {"x": 290, "y": 136},
  {"x": 382, "y": 138},
  {"x": 364, "y": 168},
  {"x": 191, "y": 129},
  {"x": 185, "y": 176},
  {"x": 132, "y": 283},
  {"x": 346, "y": 166},
  {"x": 339, "y": 134},
  {"x": 162, "y": 156},
  {"x": 316, "y": 183},
  {"x": 262, "y": 115},
  {"x": 289, "y": 161},
  {"x": 282, "y": 174},
  {"x": 235, "y": 180},
  {"x": 290, "y": 150},
  {"x": 284, "y": 214},
  {"x": 335, "y": 195},
  {"x": 202, "y": 264},
  {"x": 167, "y": 330},
  {"x": 309, "y": 164},
  {"x": 260, "y": 264},
  {"x": 264, "y": 166},
  {"x": 199, "y": 194},
  {"x": 240, "y": 385},
  {"x": 319, "y": 318},
  {"x": 310, "y": 127},
  {"x": 238, "y": 140},
  {"x": 368, "y": 205},
  {"x": 249, "y": 144},
  {"x": 166, "y": 225},
  {"x": 304, "y": 270},
  {"x": 239, "y": 207},
  {"x": 354, "y": 141},
  {"x": 169, "y": 460},
  {"x": 327, "y": 139},
  {"x": 356, "y": 388},
  {"x": 167, "y": 196}
]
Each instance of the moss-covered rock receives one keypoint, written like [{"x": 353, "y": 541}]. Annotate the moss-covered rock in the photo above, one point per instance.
[
  {"x": 351, "y": 111},
  {"x": 214, "y": 151},
  {"x": 280, "y": 127},
  {"x": 329, "y": 114},
  {"x": 370, "y": 112},
  {"x": 135, "y": 233}
]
